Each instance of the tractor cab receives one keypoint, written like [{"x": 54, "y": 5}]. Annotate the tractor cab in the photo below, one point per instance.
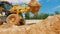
[{"x": 4, "y": 8}]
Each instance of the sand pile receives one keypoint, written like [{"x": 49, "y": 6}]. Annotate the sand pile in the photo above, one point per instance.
[{"x": 51, "y": 25}]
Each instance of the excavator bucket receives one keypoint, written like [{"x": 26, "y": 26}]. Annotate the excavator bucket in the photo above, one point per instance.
[{"x": 35, "y": 6}]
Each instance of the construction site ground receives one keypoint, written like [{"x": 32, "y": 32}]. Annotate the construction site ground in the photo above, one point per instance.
[{"x": 50, "y": 25}]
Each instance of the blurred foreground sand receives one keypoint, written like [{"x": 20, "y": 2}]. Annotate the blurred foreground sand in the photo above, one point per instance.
[{"x": 50, "y": 25}]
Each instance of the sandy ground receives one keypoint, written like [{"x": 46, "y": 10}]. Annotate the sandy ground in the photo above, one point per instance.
[
  {"x": 32, "y": 21},
  {"x": 13, "y": 29},
  {"x": 50, "y": 25}
]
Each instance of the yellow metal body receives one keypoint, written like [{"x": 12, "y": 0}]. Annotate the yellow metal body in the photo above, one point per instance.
[
  {"x": 19, "y": 9},
  {"x": 1, "y": 15}
]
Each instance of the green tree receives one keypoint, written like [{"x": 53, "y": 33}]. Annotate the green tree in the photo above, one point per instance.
[
  {"x": 44, "y": 15},
  {"x": 57, "y": 12},
  {"x": 27, "y": 15},
  {"x": 40, "y": 16},
  {"x": 36, "y": 16},
  {"x": 51, "y": 14}
]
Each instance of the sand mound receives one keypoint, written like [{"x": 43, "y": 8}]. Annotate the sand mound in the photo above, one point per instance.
[{"x": 51, "y": 25}]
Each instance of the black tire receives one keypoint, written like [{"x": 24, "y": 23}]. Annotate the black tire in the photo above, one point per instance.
[
  {"x": 18, "y": 19},
  {"x": 22, "y": 21}
]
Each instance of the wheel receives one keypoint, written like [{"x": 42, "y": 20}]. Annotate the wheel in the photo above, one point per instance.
[
  {"x": 22, "y": 21},
  {"x": 15, "y": 19}
]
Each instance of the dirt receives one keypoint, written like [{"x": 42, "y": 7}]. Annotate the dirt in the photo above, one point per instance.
[{"x": 50, "y": 25}]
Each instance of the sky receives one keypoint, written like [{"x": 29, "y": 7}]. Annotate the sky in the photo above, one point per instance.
[{"x": 47, "y": 6}]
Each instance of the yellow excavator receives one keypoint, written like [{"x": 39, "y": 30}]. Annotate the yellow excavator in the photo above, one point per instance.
[{"x": 15, "y": 11}]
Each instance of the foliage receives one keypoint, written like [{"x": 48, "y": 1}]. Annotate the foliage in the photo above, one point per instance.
[
  {"x": 57, "y": 12},
  {"x": 27, "y": 15},
  {"x": 36, "y": 16},
  {"x": 40, "y": 16}
]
